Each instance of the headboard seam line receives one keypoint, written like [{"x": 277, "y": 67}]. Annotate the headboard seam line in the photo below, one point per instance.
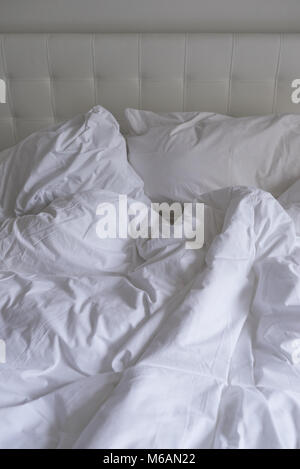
[
  {"x": 274, "y": 106},
  {"x": 52, "y": 97},
  {"x": 230, "y": 74}
]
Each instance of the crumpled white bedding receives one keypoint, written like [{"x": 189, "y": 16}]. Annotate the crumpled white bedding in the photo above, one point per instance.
[{"x": 143, "y": 343}]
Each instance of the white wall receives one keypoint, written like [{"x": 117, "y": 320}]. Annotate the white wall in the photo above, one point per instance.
[{"x": 150, "y": 15}]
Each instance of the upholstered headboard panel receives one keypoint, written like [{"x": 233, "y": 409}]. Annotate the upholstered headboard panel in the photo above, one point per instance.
[{"x": 51, "y": 77}]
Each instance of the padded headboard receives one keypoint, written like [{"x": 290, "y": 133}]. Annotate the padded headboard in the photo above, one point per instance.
[{"x": 51, "y": 77}]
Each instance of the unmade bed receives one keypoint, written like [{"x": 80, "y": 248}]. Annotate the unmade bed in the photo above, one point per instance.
[{"x": 140, "y": 342}]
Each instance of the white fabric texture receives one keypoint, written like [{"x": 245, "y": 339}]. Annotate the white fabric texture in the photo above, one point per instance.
[
  {"x": 85, "y": 152},
  {"x": 181, "y": 155},
  {"x": 143, "y": 343},
  {"x": 52, "y": 77}
]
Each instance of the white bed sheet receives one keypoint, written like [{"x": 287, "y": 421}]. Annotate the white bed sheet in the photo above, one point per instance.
[{"x": 145, "y": 344}]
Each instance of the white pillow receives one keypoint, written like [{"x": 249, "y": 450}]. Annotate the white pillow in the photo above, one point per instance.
[
  {"x": 181, "y": 155},
  {"x": 83, "y": 153}
]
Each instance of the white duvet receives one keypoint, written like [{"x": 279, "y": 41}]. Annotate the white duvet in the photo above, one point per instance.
[{"x": 143, "y": 343}]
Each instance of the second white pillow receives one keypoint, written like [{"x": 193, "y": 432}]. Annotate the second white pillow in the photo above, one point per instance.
[{"x": 181, "y": 155}]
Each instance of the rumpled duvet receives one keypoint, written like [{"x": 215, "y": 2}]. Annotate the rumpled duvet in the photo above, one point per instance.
[{"x": 142, "y": 343}]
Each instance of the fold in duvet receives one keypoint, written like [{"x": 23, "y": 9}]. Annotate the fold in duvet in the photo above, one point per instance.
[{"x": 182, "y": 349}]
